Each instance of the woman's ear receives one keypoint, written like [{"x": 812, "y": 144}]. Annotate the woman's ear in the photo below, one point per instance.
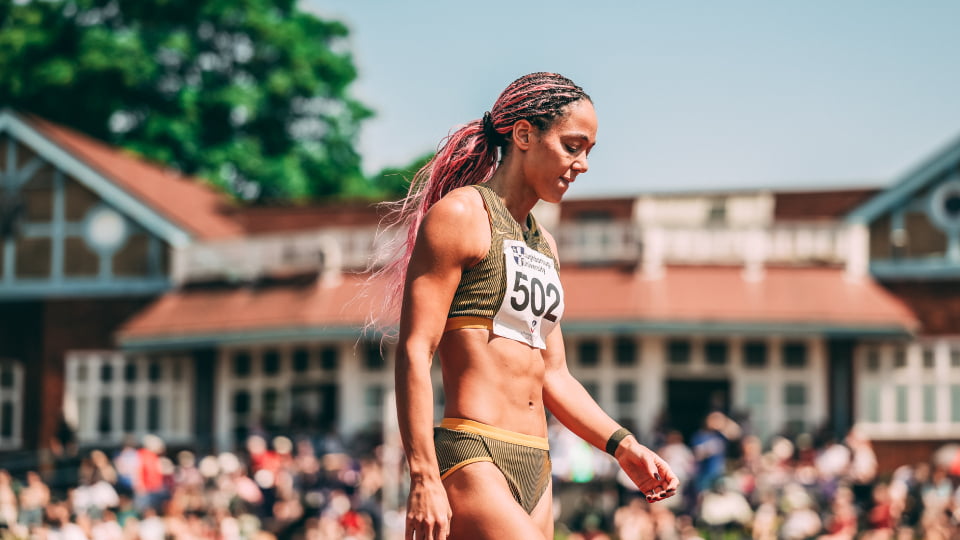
[{"x": 522, "y": 133}]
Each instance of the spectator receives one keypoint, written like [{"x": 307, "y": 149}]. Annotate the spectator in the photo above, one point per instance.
[
  {"x": 709, "y": 445},
  {"x": 8, "y": 501}
]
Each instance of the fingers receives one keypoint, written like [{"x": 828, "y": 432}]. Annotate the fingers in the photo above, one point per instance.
[
  {"x": 442, "y": 530},
  {"x": 427, "y": 529}
]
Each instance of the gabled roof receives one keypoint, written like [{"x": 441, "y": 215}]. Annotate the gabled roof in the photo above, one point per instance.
[
  {"x": 714, "y": 299},
  {"x": 175, "y": 207},
  {"x": 907, "y": 185}
]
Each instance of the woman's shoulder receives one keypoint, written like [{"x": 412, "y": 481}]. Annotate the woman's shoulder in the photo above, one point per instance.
[
  {"x": 459, "y": 207},
  {"x": 457, "y": 224}
]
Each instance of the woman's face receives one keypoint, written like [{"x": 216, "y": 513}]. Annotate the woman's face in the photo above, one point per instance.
[{"x": 557, "y": 155}]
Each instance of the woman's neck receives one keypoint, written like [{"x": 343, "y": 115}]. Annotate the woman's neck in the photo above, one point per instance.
[{"x": 517, "y": 196}]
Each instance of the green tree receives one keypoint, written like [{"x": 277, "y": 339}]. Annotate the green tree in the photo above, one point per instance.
[
  {"x": 249, "y": 94},
  {"x": 393, "y": 182}
]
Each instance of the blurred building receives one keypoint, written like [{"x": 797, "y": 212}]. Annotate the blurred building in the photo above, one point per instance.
[{"x": 135, "y": 301}]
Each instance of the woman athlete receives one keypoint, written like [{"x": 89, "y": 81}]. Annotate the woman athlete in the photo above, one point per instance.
[{"x": 481, "y": 288}]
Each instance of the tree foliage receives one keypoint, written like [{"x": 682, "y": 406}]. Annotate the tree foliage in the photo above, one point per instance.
[
  {"x": 393, "y": 182},
  {"x": 249, "y": 94}
]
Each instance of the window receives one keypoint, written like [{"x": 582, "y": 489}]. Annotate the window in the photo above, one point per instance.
[
  {"x": 955, "y": 357},
  {"x": 588, "y": 353},
  {"x": 795, "y": 401},
  {"x": 271, "y": 362},
  {"x": 626, "y": 393},
  {"x": 929, "y": 403},
  {"x": 871, "y": 399},
  {"x": 129, "y": 414},
  {"x": 119, "y": 405},
  {"x": 755, "y": 354},
  {"x": 794, "y": 355},
  {"x": 794, "y": 394},
  {"x": 625, "y": 351},
  {"x": 955, "y": 403},
  {"x": 373, "y": 358},
  {"x": 929, "y": 358},
  {"x": 873, "y": 360},
  {"x": 6, "y": 376},
  {"x": 756, "y": 402},
  {"x": 6, "y": 420},
  {"x": 153, "y": 414},
  {"x": 271, "y": 403},
  {"x": 717, "y": 215},
  {"x": 104, "y": 416},
  {"x": 241, "y": 364},
  {"x": 241, "y": 402},
  {"x": 329, "y": 358},
  {"x": 155, "y": 371},
  {"x": 130, "y": 372},
  {"x": 900, "y": 357},
  {"x": 678, "y": 352},
  {"x": 106, "y": 372},
  {"x": 301, "y": 360},
  {"x": 373, "y": 397},
  {"x": 716, "y": 352},
  {"x": 901, "y": 403}
]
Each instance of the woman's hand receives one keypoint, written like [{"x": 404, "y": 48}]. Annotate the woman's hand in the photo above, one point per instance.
[
  {"x": 647, "y": 470},
  {"x": 428, "y": 511}
]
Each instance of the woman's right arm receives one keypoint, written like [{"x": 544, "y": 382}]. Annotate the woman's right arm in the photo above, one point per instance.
[{"x": 443, "y": 248}]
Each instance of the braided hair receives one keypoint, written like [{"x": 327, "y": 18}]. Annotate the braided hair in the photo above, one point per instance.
[{"x": 467, "y": 156}]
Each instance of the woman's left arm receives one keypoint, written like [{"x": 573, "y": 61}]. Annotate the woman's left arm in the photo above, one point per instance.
[{"x": 570, "y": 402}]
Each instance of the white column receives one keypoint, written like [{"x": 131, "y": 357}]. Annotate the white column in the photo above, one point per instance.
[
  {"x": 818, "y": 374},
  {"x": 653, "y": 253},
  {"x": 351, "y": 384},
  {"x": 223, "y": 390},
  {"x": 775, "y": 382},
  {"x": 651, "y": 388},
  {"x": 858, "y": 252},
  {"x": 606, "y": 378},
  {"x": 755, "y": 253}
]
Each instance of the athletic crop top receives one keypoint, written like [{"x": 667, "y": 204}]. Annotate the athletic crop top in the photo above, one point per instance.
[{"x": 514, "y": 291}]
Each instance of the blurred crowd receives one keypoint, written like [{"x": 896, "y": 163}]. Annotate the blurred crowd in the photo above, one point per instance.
[
  {"x": 320, "y": 488},
  {"x": 271, "y": 489},
  {"x": 793, "y": 488}
]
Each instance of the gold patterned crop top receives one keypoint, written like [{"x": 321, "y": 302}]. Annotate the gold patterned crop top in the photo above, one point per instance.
[{"x": 514, "y": 291}]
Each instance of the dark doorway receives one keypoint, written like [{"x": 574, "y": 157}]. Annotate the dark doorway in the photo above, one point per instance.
[
  {"x": 689, "y": 401},
  {"x": 840, "y": 385}
]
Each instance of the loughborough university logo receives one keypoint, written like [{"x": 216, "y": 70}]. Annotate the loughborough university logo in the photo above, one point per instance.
[{"x": 519, "y": 252}]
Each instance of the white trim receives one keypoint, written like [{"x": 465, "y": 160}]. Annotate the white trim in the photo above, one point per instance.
[
  {"x": 89, "y": 392},
  {"x": 89, "y": 177},
  {"x": 915, "y": 377},
  {"x": 13, "y": 396}
]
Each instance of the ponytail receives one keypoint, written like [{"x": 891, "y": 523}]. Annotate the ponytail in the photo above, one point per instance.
[{"x": 467, "y": 156}]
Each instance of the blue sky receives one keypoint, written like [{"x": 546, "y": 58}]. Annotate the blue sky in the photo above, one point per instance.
[{"x": 689, "y": 95}]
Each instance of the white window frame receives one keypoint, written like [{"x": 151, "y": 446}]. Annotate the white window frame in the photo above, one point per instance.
[
  {"x": 82, "y": 396},
  {"x": 14, "y": 396},
  {"x": 915, "y": 376}
]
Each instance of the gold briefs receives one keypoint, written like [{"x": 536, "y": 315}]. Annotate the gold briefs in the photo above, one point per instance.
[{"x": 523, "y": 459}]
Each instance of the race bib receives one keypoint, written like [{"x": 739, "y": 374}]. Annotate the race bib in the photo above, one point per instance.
[{"x": 533, "y": 301}]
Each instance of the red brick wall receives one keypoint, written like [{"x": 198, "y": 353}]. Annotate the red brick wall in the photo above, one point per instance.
[
  {"x": 618, "y": 209},
  {"x": 893, "y": 454},
  {"x": 40, "y": 334},
  {"x": 935, "y": 303}
]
